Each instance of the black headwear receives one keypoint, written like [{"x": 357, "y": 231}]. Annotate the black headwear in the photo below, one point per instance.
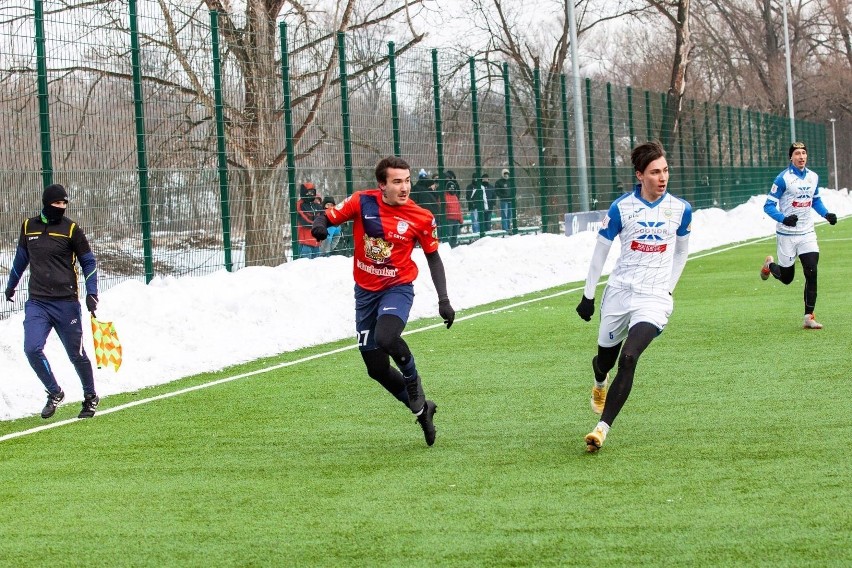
[
  {"x": 797, "y": 146},
  {"x": 53, "y": 193}
]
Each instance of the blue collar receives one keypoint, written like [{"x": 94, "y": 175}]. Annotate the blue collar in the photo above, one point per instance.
[
  {"x": 797, "y": 171},
  {"x": 637, "y": 191}
]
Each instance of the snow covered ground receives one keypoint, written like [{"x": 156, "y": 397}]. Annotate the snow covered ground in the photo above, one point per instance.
[{"x": 175, "y": 327}]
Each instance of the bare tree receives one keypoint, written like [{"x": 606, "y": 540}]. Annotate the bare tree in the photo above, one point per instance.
[
  {"x": 676, "y": 12},
  {"x": 544, "y": 48}
]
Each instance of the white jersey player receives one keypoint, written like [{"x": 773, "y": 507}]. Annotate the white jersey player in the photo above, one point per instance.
[
  {"x": 792, "y": 201},
  {"x": 653, "y": 227}
]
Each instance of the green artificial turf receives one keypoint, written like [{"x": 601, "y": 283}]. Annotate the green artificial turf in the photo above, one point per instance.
[{"x": 733, "y": 449}]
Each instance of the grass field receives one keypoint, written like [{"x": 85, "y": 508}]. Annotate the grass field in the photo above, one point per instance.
[{"x": 733, "y": 450}]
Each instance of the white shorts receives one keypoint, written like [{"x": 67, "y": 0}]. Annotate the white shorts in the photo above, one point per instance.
[
  {"x": 621, "y": 309},
  {"x": 791, "y": 246}
]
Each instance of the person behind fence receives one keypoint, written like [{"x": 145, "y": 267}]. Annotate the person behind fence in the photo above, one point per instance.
[
  {"x": 307, "y": 208},
  {"x": 504, "y": 189},
  {"x": 452, "y": 209},
  {"x": 328, "y": 245},
  {"x": 793, "y": 198},
  {"x": 425, "y": 193},
  {"x": 51, "y": 245},
  {"x": 653, "y": 227},
  {"x": 387, "y": 226},
  {"x": 480, "y": 200}
]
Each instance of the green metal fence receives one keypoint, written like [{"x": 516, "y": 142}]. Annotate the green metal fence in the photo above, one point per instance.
[{"x": 186, "y": 161}]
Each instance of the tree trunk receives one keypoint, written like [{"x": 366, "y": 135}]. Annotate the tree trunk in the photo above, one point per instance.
[{"x": 677, "y": 85}]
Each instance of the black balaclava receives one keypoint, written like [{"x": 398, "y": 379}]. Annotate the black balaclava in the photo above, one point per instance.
[{"x": 52, "y": 193}]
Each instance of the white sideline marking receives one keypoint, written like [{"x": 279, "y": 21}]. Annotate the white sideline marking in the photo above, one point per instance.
[{"x": 325, "y": 354}]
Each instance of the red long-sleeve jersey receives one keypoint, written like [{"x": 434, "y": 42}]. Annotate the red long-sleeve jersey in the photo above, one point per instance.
[{"x": 384, "y": 236}]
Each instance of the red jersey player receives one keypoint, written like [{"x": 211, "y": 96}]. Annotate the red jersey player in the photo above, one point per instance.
[{"x": 387, "y": 226}]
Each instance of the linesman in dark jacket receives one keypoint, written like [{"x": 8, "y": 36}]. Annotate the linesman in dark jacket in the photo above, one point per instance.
[{"x": 51, "y": 245}]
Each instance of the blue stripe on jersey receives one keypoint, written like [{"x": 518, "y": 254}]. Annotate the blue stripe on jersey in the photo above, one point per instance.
[
  {"x": 686, "y": 220},
  {"x": 370, "y": 216},
  {"x": 613, "y": 226}
]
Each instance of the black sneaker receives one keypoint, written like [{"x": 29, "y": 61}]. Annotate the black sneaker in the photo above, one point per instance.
[
  {"x": 90, "y": 403},
  {"x": 414, "y": 388},
  {"x": 425, "y": 419},
  {"x": 53, "y": 401}
]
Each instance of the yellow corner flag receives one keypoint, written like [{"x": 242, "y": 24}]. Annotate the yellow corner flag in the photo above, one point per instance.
[{"x": 107, "y": 345}]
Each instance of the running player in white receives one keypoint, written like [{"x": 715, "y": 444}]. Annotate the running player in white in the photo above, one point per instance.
[
  {"x": 794, "y": 194},
  {"x": 653, "y": 227}
]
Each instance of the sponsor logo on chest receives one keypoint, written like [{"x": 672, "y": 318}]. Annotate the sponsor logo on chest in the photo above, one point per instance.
[
  {"x": 401, "y": 228},
  {"x": 649, "y": 236}
]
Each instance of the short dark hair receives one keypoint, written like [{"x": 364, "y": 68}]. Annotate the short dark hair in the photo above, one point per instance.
[
  {"x": 389, "y": 162},
  {"x": 645, "y": 153}
]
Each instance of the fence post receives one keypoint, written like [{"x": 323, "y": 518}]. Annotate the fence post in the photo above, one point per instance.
[
  {"x": 718, "y": 190},
  {"x": 221, "y": 153},
  {"x": 344, "y": 112},
  {"x": 681, "y": 156},
  {"x": 695, "y": 162},
  {"x": 141, "y": 154},
  {"x": 649, "y": 128},
  {"x": 439, "y": 122},
  {"x": 477, "y": 156},
  {"x": 397, "y": 151},
  {"x": 439, "y": 141},
  {"x": 539, "y": 128},
  {"x": 288, "y": 140},
  {"x": 630, "y": 117},
  {"x": 593, "y": 181},
  {"x": 563, "y": 84},
  {"x": 750, "y": 139},
  {"x": 510, "y": 148},
  {"x": 43, "y": 103},
  {"x": 730, "y": 119},
  {"x": 612, "y": 172},
  {"x": 708, "y": 170},
  {"x": 742, "y": 150}
]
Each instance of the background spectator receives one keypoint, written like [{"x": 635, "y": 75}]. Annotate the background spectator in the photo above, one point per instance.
[
  {"x": 505, "y": 191},
  {"x": 453, "y": 209},
  {"x": 328, "y": 245},
  {"x": 306, "y": 209}
]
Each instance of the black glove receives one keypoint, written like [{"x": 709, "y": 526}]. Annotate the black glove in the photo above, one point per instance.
[
  {"x": 319, "y": 232},
  {"x": 831, "y": 218},
  {"x": 790, "y": 220},
  {"x": 91, "y": 302},
  {"x": 319, "y": 228},
  {"x": 586, "y": 308},
  {"x": 446, "y": 311},
  {"x": 9, "y": 294}
]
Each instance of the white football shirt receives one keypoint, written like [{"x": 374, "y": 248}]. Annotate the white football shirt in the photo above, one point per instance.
[
  {"x": 648, "y": 232},
  {"x": 794, "y": 192}
]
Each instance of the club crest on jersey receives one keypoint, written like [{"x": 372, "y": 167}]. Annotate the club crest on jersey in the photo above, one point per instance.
[
  {"x": 401, "y": 227},
  {"x": 377, "y": 249}
]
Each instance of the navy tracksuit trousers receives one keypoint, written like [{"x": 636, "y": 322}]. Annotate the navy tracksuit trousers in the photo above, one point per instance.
[{"x": 40, "y": 316}]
